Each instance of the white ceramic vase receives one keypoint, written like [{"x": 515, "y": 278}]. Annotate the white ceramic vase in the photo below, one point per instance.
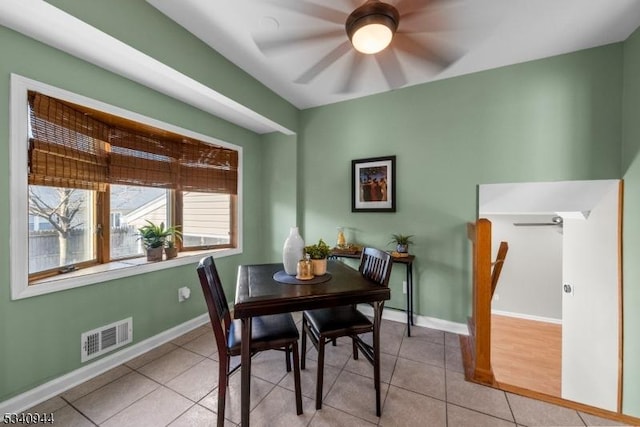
[{"x": 293, "y": 251}]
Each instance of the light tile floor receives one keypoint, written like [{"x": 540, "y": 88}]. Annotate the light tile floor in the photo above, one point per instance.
[{"x": 423, "y": 385}]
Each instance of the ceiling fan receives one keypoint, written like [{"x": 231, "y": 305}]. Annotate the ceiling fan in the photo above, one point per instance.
[
  {"x": 556, "y": 220},
  {"x": 373, "y": 31}
]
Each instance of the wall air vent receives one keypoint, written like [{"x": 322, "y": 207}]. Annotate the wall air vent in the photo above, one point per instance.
[{"x": 105, "y": 339}]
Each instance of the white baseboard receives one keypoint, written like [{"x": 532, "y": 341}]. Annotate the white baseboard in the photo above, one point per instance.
[
  {"x": 427, "y": 322},
  {"x": 61, "y": 384},
  {"x": 527, "y": 317},
  {"x": 56, "y": 386}
]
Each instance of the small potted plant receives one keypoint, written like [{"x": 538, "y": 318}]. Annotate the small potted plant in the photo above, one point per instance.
[
  {"x": 170, "y": 248},
  {"x": 402, "y": 242},
  {"x": 153, "y": 238},
  {"x": 318, "y": 254}
]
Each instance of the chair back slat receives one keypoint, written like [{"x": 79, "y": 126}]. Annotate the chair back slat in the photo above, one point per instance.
[
  {"x": 216, "y": 301},
  {"x": 376, "y": 265}
]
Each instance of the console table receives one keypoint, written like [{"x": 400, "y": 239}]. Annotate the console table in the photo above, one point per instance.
[{"x": 408, "y": 263}]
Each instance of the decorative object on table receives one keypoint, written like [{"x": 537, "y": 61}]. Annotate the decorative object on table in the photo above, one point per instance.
[
  {"x": 170, "y": 248},
  {"x": 349, "y": 249},
  {"x": 373, "y": 184},
  {"x": 281, "y": 276},
  {"x": 341, "y": 242},
  {"x": 304, "y": 269},
  {"x": 396, "y": 254},
  {"x": 153, "y": 238},
  {"x": 318, "y": 253},
  {"x": 402, "y": 242},
  {"x": 293, "y": 251}
]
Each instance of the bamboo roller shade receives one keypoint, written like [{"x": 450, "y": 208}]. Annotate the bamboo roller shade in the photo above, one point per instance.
[{"x": 78, "y": 147}]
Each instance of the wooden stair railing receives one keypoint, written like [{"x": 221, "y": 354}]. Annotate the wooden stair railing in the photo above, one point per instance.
[
  {"x": 497, "y": 265},
  {"x": 476, "y": 347}
]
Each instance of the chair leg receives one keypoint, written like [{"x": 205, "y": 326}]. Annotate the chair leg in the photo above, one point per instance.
[
  {"x": 287, "y": 353},
  {"x": 355, "y": 348},
  {"x": 303, "y": 357},
  {"x": 376, "y": 380},
  {"x": 228, "y": 357},
  {"x": 296, "y": 378},
  {"x": 320, "y": 377},
  {"x": 223, "y": 381},
  {"x": 376, "y": 354},
  {"x": 334, "y": 342}
]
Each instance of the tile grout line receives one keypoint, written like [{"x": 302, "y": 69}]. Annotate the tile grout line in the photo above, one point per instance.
[
  {"x": 342, "y": 371},
  {"x": 78, "y": 411},
  {"x": 446, "y": 396},
  {"x": 132, "y": 403},
  {"x": 581, "y": 419},
  {"x": 506, "y": 396},
  {"x": 182, "y": 413}
]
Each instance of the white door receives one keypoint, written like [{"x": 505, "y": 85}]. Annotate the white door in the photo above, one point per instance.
[{"x": 590, "y": 305}]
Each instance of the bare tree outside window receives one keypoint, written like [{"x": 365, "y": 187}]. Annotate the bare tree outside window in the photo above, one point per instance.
[{"x": 60, "y": 207}]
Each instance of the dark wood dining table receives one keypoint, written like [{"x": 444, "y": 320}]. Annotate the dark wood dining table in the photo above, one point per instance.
[{"x": 258, "y": 293}]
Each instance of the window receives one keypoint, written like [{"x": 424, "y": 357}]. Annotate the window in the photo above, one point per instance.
[
  {"x": 94, "y": 177},
  {"x": 68, "y": 237},
  {"x": 205, "y": 219},
  {"x": 130, "y": 207}
]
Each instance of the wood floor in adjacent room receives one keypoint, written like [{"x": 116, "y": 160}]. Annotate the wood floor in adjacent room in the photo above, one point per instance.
[{"x": 527, "y": 353}]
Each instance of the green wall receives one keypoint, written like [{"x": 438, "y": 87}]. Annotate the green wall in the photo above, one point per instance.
[
  {"x": 143, "y": 27},
  {"x": 631, "y": 254},
  {"x": 280, "y": 185},
  {"x": 553, "y": 119},
  {"x": 40, "y": 335}
]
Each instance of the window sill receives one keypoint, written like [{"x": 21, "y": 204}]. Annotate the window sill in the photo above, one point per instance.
[{"x": 114, "y": 270}]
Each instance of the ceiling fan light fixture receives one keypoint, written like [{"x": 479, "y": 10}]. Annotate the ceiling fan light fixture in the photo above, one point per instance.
[{"x": 371, "y": 26}]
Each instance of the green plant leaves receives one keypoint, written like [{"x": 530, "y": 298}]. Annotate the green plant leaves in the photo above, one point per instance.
[
  {"x": 318, "y": 251},
  {"x": 155, "y": 235}
]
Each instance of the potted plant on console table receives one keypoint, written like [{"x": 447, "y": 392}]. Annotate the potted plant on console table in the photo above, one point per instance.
[
  {"x": 318, "y": 253},
  {"x": 402, "y": 242}
]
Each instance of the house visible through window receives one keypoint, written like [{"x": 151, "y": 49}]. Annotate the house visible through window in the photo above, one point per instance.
[{"x": 95, "y": 178}]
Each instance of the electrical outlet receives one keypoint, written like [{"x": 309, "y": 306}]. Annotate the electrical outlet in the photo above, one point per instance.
[
  {"x": 184, "y": 293},
  {"x": 496, "y": 297},
  {"x": 404, "y": 286}
]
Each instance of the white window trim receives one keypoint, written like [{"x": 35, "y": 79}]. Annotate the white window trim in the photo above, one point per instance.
[{"x": 18, "y": 187}]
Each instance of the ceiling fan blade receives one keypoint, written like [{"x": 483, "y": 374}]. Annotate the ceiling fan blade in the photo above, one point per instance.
[
  {"x": 272, "y": 44},
  {"x": 424, "y": 50},
  {"x": 391, "y": 68},
  {"x": 408, "y": 6},
  {"x": 313, "y": 10},
  {"x": 327, "y": 60},
  {"x": 422, "y": 21},
  {"x": 355, "y": 70},
  {"x": 464, "y": 16}
]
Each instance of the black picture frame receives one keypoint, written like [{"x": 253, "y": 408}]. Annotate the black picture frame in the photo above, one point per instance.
[{"x": 373, "y": 184}]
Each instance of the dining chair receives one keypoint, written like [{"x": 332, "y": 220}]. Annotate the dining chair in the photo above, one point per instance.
[
  {"x": 327, "y": 324},
  {"x": 270, "y": 332}
]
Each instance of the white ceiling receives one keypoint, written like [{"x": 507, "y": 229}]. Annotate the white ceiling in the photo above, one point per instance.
[
  {"x": 43, "y": 22},
  {"x": 485, "y": 34},
  {"x": 570, "y": 199}
]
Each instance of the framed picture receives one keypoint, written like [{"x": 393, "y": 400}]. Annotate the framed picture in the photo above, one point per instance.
[{"x": 373, "y": 184}]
